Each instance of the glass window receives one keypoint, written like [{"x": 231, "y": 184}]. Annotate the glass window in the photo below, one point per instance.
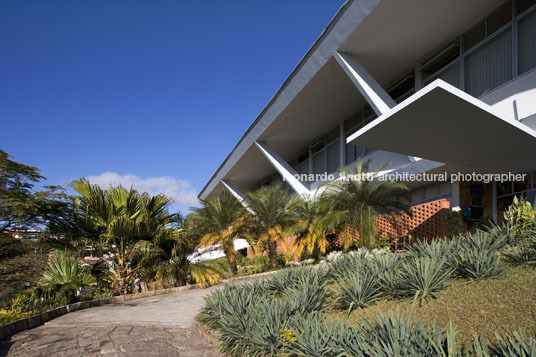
[
  {"x": 499, "y": 18},
  {"x": 524, "y": 5},
  {"x": 350, "y": 154},
  {"x": 430, "y": 192},
  {"x": 474, "y": 36},
  {"x": 527, "y": 43},
  {"x": 416, "y": 196},
  {"x": 490, "y": 65},
  {"x": 319, "y": 162},
  {"x": 333, "y": 157}
]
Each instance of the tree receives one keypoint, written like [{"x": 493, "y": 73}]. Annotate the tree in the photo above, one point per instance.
[
  {"x": 20, "y": 206},
  {"x": 272, "y": 219},
  {"x": 220, "y": 221},
  {"x": 315, "y": 219},
  {"x": 360, "y": 197},
  {"x": 129, "y": 222}
]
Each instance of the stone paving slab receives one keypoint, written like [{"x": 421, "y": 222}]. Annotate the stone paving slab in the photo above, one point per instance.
[
  {"x": 160, "y": 325},
  {"x": 107, "y": 340}
]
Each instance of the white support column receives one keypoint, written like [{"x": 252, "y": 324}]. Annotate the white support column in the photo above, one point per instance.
[
  {"x": 237, "y": 194},
  {"x": 288, "y": 173},
  {"x": 374, "y": 94}
]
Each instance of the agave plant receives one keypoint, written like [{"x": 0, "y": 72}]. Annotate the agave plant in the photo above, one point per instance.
[
  {"x": 423, "y": 277},
  {"x": 402, "y": 335},
  {"x": 357, "y": 290}
]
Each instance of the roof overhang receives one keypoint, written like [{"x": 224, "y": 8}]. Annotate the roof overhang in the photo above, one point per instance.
[{"x": 444, "y": 124}]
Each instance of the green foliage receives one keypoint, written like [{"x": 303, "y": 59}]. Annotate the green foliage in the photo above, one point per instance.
[
  {"x": 524, "y": 252},
  {"x": 476, "y": 255},
  {"x": 11, "y": 247},
  {"x": 454, "y": 223},
  {"x": 360, "y": 202},
  {"x": 357, "y": 289},
  {"x": 520, "y": 215},
  {"x": 436, "y": 248},
  {"x": 20, "y": 206},
  {"x": 220, "y": 220},
  {"x": 8, "y": 316},
  {"x": 60, "y": 281},
  {"x": 423, "y": 277},
  {"x": 402, "y": 335},
  {"x": 272, "y": 221},
  {"x": 519, "y": 344}
]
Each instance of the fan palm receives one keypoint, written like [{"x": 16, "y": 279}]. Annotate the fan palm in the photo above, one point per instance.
[
  {"x": 129, "y": 221},
  {"x": 315, "y": 219},
  {"x": 60, "y": 280},
  {"x": 272, "y": 219},
  {"x": 361, "y": 195},
  {"x": 220, "y": 221}
]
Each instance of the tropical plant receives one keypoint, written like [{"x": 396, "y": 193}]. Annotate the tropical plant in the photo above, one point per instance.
[
  {"x": 358, "y": 289},
  {"x": 361, "y": 196},
  {"x": 476, "y": 255},
  {"x": 129, "y": 222},
  {"x": 60, "y": 281},
  {"x": 524, "y": 252},
  {"x": 423, "y": 277},
  {"x": 315, "y": 219},
  {"x": 403, "y": 335},
  {"x": 520, "y": 215},
  {"x": 220, "y": 220},
  {"x": 272, "y": 220}
]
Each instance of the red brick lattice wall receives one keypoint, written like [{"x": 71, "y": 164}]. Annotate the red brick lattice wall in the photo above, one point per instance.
[{"x": 428, "y": 220}]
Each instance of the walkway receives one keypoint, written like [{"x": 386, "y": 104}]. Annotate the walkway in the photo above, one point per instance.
[{"x": 154, "y": 326}]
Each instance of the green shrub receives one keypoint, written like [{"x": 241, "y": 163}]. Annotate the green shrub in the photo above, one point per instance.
[
  {"x": 318, "y": 336},
  {"x": 8, "y": 316},
  {"x": 436, "y": 248},
  {"x": 357, "y": 290},
  {"x": 516, "y": 345},
  {"x": 11, "y": 247},
  {"x": 423, "y": 277},
  {"x": 402, "y": 335}
]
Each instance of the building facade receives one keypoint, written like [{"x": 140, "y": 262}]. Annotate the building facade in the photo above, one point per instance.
[{"x": 444, "y": 88}]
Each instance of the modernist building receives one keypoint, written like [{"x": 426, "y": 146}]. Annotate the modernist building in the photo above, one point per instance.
[{"x": 428, "y": 86}]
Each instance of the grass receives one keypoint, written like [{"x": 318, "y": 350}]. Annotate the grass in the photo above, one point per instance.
[{"x": 502, "y": 304}]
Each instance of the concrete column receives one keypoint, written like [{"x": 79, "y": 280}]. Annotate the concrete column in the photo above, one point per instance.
[
  {"x": 237, "y": 194},
  {"x": 374, "y": 94},
  {"x": 288, "y": 173}
]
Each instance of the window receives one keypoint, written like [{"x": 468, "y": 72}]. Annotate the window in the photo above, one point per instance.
[
  {"x": 527, "y": 43},
  {"x": 490, "y": 65},
  {"x": 333, "y": 156}
]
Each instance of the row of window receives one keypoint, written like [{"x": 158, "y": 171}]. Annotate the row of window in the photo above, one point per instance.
[{"x": 494, "y": 51}]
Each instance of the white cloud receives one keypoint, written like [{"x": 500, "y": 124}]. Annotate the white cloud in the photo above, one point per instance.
[{"x": 181, "y": 191}]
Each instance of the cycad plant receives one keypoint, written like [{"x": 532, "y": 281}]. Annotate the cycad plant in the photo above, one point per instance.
[
  {"x": 361, "y": 196},
  {"x": 220, "y": 220},
  {"x": 272, "y": 220},
  {"x": 315, "y": 219}
]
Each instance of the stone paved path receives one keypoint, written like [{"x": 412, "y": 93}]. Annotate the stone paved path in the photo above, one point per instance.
[{"x": 154, "y": 326}]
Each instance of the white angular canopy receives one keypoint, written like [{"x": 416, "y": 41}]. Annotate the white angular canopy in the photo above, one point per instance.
[{"x": 442, "y": 123}]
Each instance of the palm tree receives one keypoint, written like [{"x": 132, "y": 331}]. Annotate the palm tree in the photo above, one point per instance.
[
  {"x": 220, "y": 221},
  {"x": 361, "y": 196},
  {"x": 315, "y": 219},
  {"x": 272, "y": 219},
  {"x": 129, "y": 221},
  {"x": 60, "y": 280}
]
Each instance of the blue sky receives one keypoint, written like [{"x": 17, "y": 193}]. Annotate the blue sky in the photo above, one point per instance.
[{"x": 153, "y": 94}]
